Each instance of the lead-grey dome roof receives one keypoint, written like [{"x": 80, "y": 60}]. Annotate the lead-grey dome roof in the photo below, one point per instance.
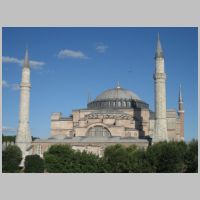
[{"x": 117, "y": 93}]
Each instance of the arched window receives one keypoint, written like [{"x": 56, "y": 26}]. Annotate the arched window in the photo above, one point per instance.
[
  {"x": 98, "y": 131},
  {"x": 124, "y": 104},
  {"x": 119, "y": 104},
  {"x": 128, "y": 104}
]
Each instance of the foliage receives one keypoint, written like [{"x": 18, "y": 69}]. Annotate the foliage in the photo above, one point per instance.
[
  {"x": 11, "y": 138},
  {"x": 122, "y": 160},
  {"x": 34, "y": 164},
  {"x": 8, "y": 138},
  {"x": 191, "y": 157},
  {"x": 167, "y": 157},
  {"x": 162, "y": 157},
  {"x": 138, "y": 162},
  {"x": 63, "y": 159},
  {"x": 117, "y": 158},
  {"x": 11, "y": 158}
]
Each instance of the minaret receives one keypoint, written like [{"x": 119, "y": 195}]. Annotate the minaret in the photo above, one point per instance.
[
  {"x": 23, "y": 138},
  {"x": 160, "y": 132},
  {"x": 181, "y": 114}
]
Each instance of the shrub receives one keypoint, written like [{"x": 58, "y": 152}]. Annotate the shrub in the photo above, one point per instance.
[
  {"x": 191, "y": 157},
  {"x": 167, "y": 156},
  {"x": 117, "y": 159},
  {"x": 11, "y": 159},
  {"x": 63, "y": 159},
  {"x": 34, "y": 164}
]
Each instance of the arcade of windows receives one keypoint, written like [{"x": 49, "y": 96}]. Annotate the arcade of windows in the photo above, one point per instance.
[{"x": 110, "y": 104}]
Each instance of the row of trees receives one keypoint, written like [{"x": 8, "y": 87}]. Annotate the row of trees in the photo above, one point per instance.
[
  {"x": 162, "y": 157},
  {"x": 11, "y": 138}
]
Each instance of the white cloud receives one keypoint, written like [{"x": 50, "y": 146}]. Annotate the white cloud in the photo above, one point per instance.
[
  {"x": 14, "y": 86},
  {"x": 67, "y": 53},
  {"x": 101, "y": 48},
  {"x": 33, "y": 64},
  {"x": 4, "y": 84},
  {"x": 8, "y": 59}
]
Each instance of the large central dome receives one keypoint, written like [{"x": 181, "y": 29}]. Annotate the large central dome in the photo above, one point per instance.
[
  {"x": 117, "y": 98},
  {"x": 117, "y": 93}
]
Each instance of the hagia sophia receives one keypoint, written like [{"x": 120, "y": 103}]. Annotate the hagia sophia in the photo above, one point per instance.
[{"x": 116, "y": 116}]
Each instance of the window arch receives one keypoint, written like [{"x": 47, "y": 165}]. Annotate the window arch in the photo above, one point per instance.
[
  {"x": 98, "y": 131},
  {"x": 119, "y": 104},
  {"x": 124, "y": 104}
]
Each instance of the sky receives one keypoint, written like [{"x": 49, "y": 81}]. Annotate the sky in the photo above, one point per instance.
[{"x": 67, "y": 64}]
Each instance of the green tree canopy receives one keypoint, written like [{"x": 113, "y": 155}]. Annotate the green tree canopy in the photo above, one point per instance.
[
  {"x": 63, "y": 159},
  {"x": 34, "y": 164},
  {"x": 167, "y": 156},
  {"x": 191, "y": 157},
  {"x": 11, "y": 159}
]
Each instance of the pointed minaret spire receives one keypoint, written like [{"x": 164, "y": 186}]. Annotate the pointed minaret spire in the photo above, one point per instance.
[
  {"x": 159, "y": 51},
  {"x": 26, "y": 59},
  {"x": 180, "y": 99},
  {"x": 181, "y": 114}
]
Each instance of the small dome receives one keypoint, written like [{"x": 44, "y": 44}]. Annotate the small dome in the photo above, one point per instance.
[{"x": 117, "y": 93}]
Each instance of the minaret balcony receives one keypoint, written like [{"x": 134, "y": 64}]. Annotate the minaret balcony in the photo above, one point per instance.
[{"x": 159, "y": 76}]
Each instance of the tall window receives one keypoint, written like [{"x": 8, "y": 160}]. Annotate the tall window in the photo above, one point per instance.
[{"x": 98, "y": 131}]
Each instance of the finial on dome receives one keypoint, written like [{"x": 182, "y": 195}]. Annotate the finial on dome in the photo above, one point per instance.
[
  {"x": 89, "y": 97},
  {"x": 118, "y": 85}
]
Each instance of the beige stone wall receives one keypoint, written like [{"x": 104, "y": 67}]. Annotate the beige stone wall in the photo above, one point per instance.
[
  {"x": 80, "y": 131},
  {"x": 61, "y": 128},
  {"x": 173, "y": 128},
  {"x": 109, "y": 121},
  {"x": 115, "y": 123},
  {"x": 117, "y": 131}
]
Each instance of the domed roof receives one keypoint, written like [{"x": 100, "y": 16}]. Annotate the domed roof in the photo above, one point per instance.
[{"x": 117, "y": 93}]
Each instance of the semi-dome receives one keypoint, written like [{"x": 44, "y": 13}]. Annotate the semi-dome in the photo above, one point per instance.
[
  {"x": 117, "y": 93},
  {"x": 117, "y": 98}
]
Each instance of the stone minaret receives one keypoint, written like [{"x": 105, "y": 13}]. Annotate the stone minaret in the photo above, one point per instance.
[
  {"x": 181, "y": 114},
  {"x": 160, "y": 132},
  {"x": 23, "y": 138}
]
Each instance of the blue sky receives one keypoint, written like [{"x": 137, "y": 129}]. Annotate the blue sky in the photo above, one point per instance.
[{"x": 69, "y": 63}]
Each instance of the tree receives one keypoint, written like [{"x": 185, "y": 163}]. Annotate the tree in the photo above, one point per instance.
[
  {"x": 11, "y": 159},
  {"x": 8, "y": 138},
  {"x": 138, "y": 162},
  {"x": 63, "y": 159},
  {"x": 191, "y": 157},
  {"x": 58, "y": 159},
  {"x": 34, "y": 164},
  {"x": 167, "y": 157},
  {"x": 117, "y": 159}
]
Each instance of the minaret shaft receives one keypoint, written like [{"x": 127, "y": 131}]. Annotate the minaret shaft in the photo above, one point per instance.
[
  {"x": 23, "y": 139},
  {"x": 160, "y": 132}
]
